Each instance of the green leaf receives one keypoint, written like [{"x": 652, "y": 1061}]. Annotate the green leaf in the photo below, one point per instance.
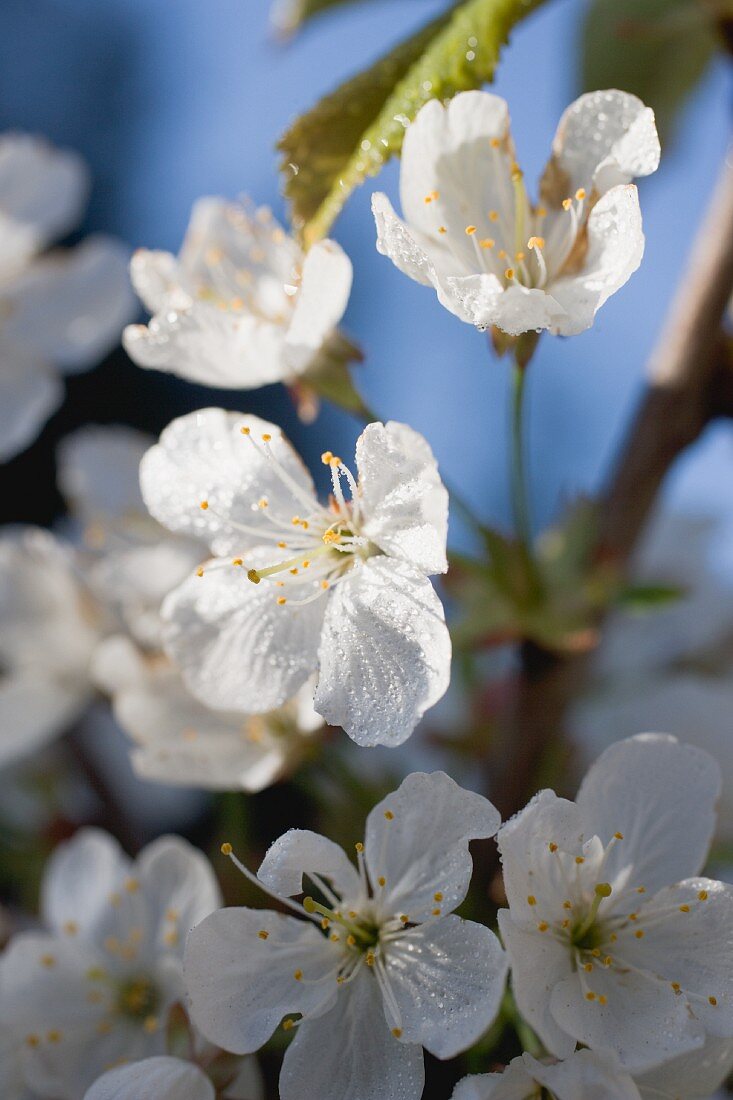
[
  {"x": 648, "y": 597},
  {"x": 657, "y": 49},
  {"x": 352, "y": 133}
]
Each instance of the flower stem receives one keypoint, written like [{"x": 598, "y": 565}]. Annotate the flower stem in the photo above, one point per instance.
[{"x": 520, "y": 501}]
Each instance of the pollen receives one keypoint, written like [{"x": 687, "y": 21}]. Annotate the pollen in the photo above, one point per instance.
[
  {"x": 438, "y": 896},
  {"x": 404, "y": 918},
  {"x": 567, "y": 203},
  {"x": 245, "y": 431},
  {"x": 326, "y": 457},
  {"x": 382, "y": 880},
  {"x": 325, "y": 585},
  {"x": 204, "y": 505},
  {"x": 487, "y": 242},
  {"x": 639, "y": 933},
  {"x": 370, "y": 959},
  {"x": 542, "y": 926},
  {"x": 199, "y": 572},
  {"x": 71, "y": 927},
  {"x": 281, "y": 600},
  {"x": 712, "y": 1001},
  {"x": 442, "y": 229},
  {"x": 590, "y": 995},
  {"x": 607, "y": 961},
  {"x": 359, "y": 846},
  {"x": 684, "y": 909},
  {"x": 294, "y": 571},
  {"x": 531, "y": 900},
  {"x": 48, "y": 961},
  {"x": 567, "y": 905},
  {"x": 493, "y": 215},
  {"x": 325, "y": 924},
  {"x": 226, "y": 849},
  {"x": 703, "y": 895},
  {"x": 676, "y": 987},
  {"x": 436, "y": 912},
  {"x": 602, "y": 1000},
  {"x": 470, "y": 230},
  {"x": 641, "y": 889},
  {"x": 579, "y": 860},
  {"x": 397, "y": 1032},
  {"x": 618, "y": 836},
  {"x": 351, "y": 940},
  {"x": 298, "y": 975},
  {"x": 580, "y": 194},
  {"x": 552, "y": 847},
  {"x": 588, "y": 967},
  {"x": 263, "y": 502},
  {"x": 389, "y": 815},
  {"x": 509, "y": 273},
  {"x": 432, "y": 196},
  {"x": 266, "y": 437},
  {"x": 237, "y": 561}
]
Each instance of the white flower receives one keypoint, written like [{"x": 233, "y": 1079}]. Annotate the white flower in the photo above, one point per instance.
[
  {"x": 669, "y": 668},
  {"x": 342, "y": 588},
  {"x": 179, "y": 740},
  {"x": 50, "y": 629},
  {"x": 382, "y": 971},
  {"x": 582, "y": 1076},
  {"x": 165, "y": 1078},
  {"x": 241, "y": 305},
  {"x": 96, "y": 988},
  {"x": 58, "y": 313},
  {"x": 134, "y": 561},
  {"x": 614, "y": 939},
  {"x": 471, "y": 232}
]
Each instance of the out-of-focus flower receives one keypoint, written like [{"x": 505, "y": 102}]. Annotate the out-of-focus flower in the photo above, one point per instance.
[
  {"x": 614, "y": 940},
  {"x": 241, "y": 305},
  {"x": 582, "y": 1076},
  {"x": 165, "y": 1078},
  {"x": 97, "y": 987},
  {"x": 471, "y": 232},
  {"x": 59, "y": 313},
  {"x": 670, "y": 668},
  {"x": 382, "y": 971},
  {"x": 50, "y": 629},
  {"x": 297, "y": 586},
  {"x": 178, "y": 740},
  {"x": 132, "y": 562}
]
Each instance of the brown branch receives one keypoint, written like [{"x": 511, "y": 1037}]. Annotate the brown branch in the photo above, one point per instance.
[{"x": 691, "y": 382}]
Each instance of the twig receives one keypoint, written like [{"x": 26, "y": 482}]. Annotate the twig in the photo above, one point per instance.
[{"x": 689, "y": 386}]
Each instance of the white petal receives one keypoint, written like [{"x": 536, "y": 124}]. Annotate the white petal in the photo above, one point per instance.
[
  {"x": 405, "y": 503},
  {"x": 79, "y": 879},
  {"x": 248, "y": 1084},
  {"x": 323, "y": 295},
  {"x": 583, "y": 1075},
  {"x": 350, "y": 1054},
  {"x": 155, "y": 278},
  {"x": 515, "y": 1083},
  {"x": 70, "y": 307},
  {"x": 692, "y": 948},
  {"x": 42, "y": 190},
  {"x": 643, "y": 1021},
  {"x": 176, "y": 877},
  {"x": 35, "y": 709},
  {"x": 692, "y": 1076},
  {"x": 448, "y": 980},
  {"x": 30, "y": 392},
  {"x": 241, "y": 985},
  {"x": 660, "y": 794},
  {"x": 514, "y": 309},
  {"x": 205, "y": 456},
  {"x": 447, "y": 149},
  {"x": 213, "y": 347},
  {"x": 422, "y": 848},
  {"x": 528, "y": 865},
  {"x": 98, "y": 471},
  {"x": 384, "y": 655},
  {"x": 538, "y": 964},
  {"x": 615, "y": 250},
  {"x": 164, "y": 1078},
  {"x": 300, "y": 851},
  {"x": 236, "y": 647},
  {"x": 605, "y": 138}
]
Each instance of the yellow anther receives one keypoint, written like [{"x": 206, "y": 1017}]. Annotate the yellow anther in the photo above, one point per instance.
[
  {"x": 351, "y": 940},
  {"x": 641, "y": 889},
  {"x": 442, "y": 229},
  {"x": 438, "y": 896},
  {"x": 226, "y": 849},
  {"x": 335, "y": 937},
  {"x": 613, "y": 937},
  {"x": 541, "y": 212},
  {"x": 580, "y": 194},
  {"x": 370, "y": 959},
  {"x": 263, "y": 503},
  {"x": 132, "y": 885},
  {"x": 237, "y": 561},
  {"x": 536, "y": 242},
  {"x": 519, "y": 256},
  {"x": 588, "y": 967},
  {"x": 684, "y": 909},
  {"x": 204, "y": 505},
  {"x": 245, "y": 431},
  {"x": 325, "y": 924},
  {"x": 567, "y": 203},
  {"x": 171, "y": 938},
  {"x": 639, "y": 933},
  {"x": 48, "y": 961},
  {"x": 325, "y": 585},
  {"x": 580, "y": 859},
  {"x": 602, "y": 1000},
  {"x": 470, "y": 230},
  {"x": 404, "y": 918},
  {"x": 713, "y": 1001},
  {"x": 493, "y": 215},
  {"x": 253, "y": 575},
  {"x": 282, "y": 545},
  {"x": 676, "y": 987},
  {"x": 389, "y": 815},
  {"x": 432, "y": 196},
  {"x": 531, "y": 900},
  {"x": 397, "y": 1032},
  {"x": 71, "y": 927},
  {"x": 295, "y": 521},
  {"x": 565, "y": 923},
  {"x": 326, "y": 457},
  {"x": 502, "y": 253},
  {"x": 104, "y": 1027},
  {"x": 494, "y": 142},
  {"x": 151, "y": 1024},
  {"x": 263, "y": 934},
  {"x": 552, "y": 847},
  {"x": 567, "y": 904},
  {"x": 702, "y": 895},
  {"x": 590, "y": 995},
  {"x": 237, "y": 303},
  {"x": 298, "y": 975},
  {"x": 266, "y": 437},
  {"x": 294, "y": 571},
  {"x": 618, "y": 836},
  {"x": 199, "y": 572},
  {"x": 32, "y": 1040},
  {"x": 436, "y": 912},
  {"x": 509, "y": 273},
  {"x": 281, "y": 601},
  {"x": 54, "y": 1036},
  {"x": 287, "y": 1025},
  {"x": 542, "y": 926},
  {"x": 596, "y": 952},
  {"x": 359, "y": 846},
  {"x": 382, "y": 880},
  {"x": 487, "y": 242},
  {"x": 607, "y": 961}
]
